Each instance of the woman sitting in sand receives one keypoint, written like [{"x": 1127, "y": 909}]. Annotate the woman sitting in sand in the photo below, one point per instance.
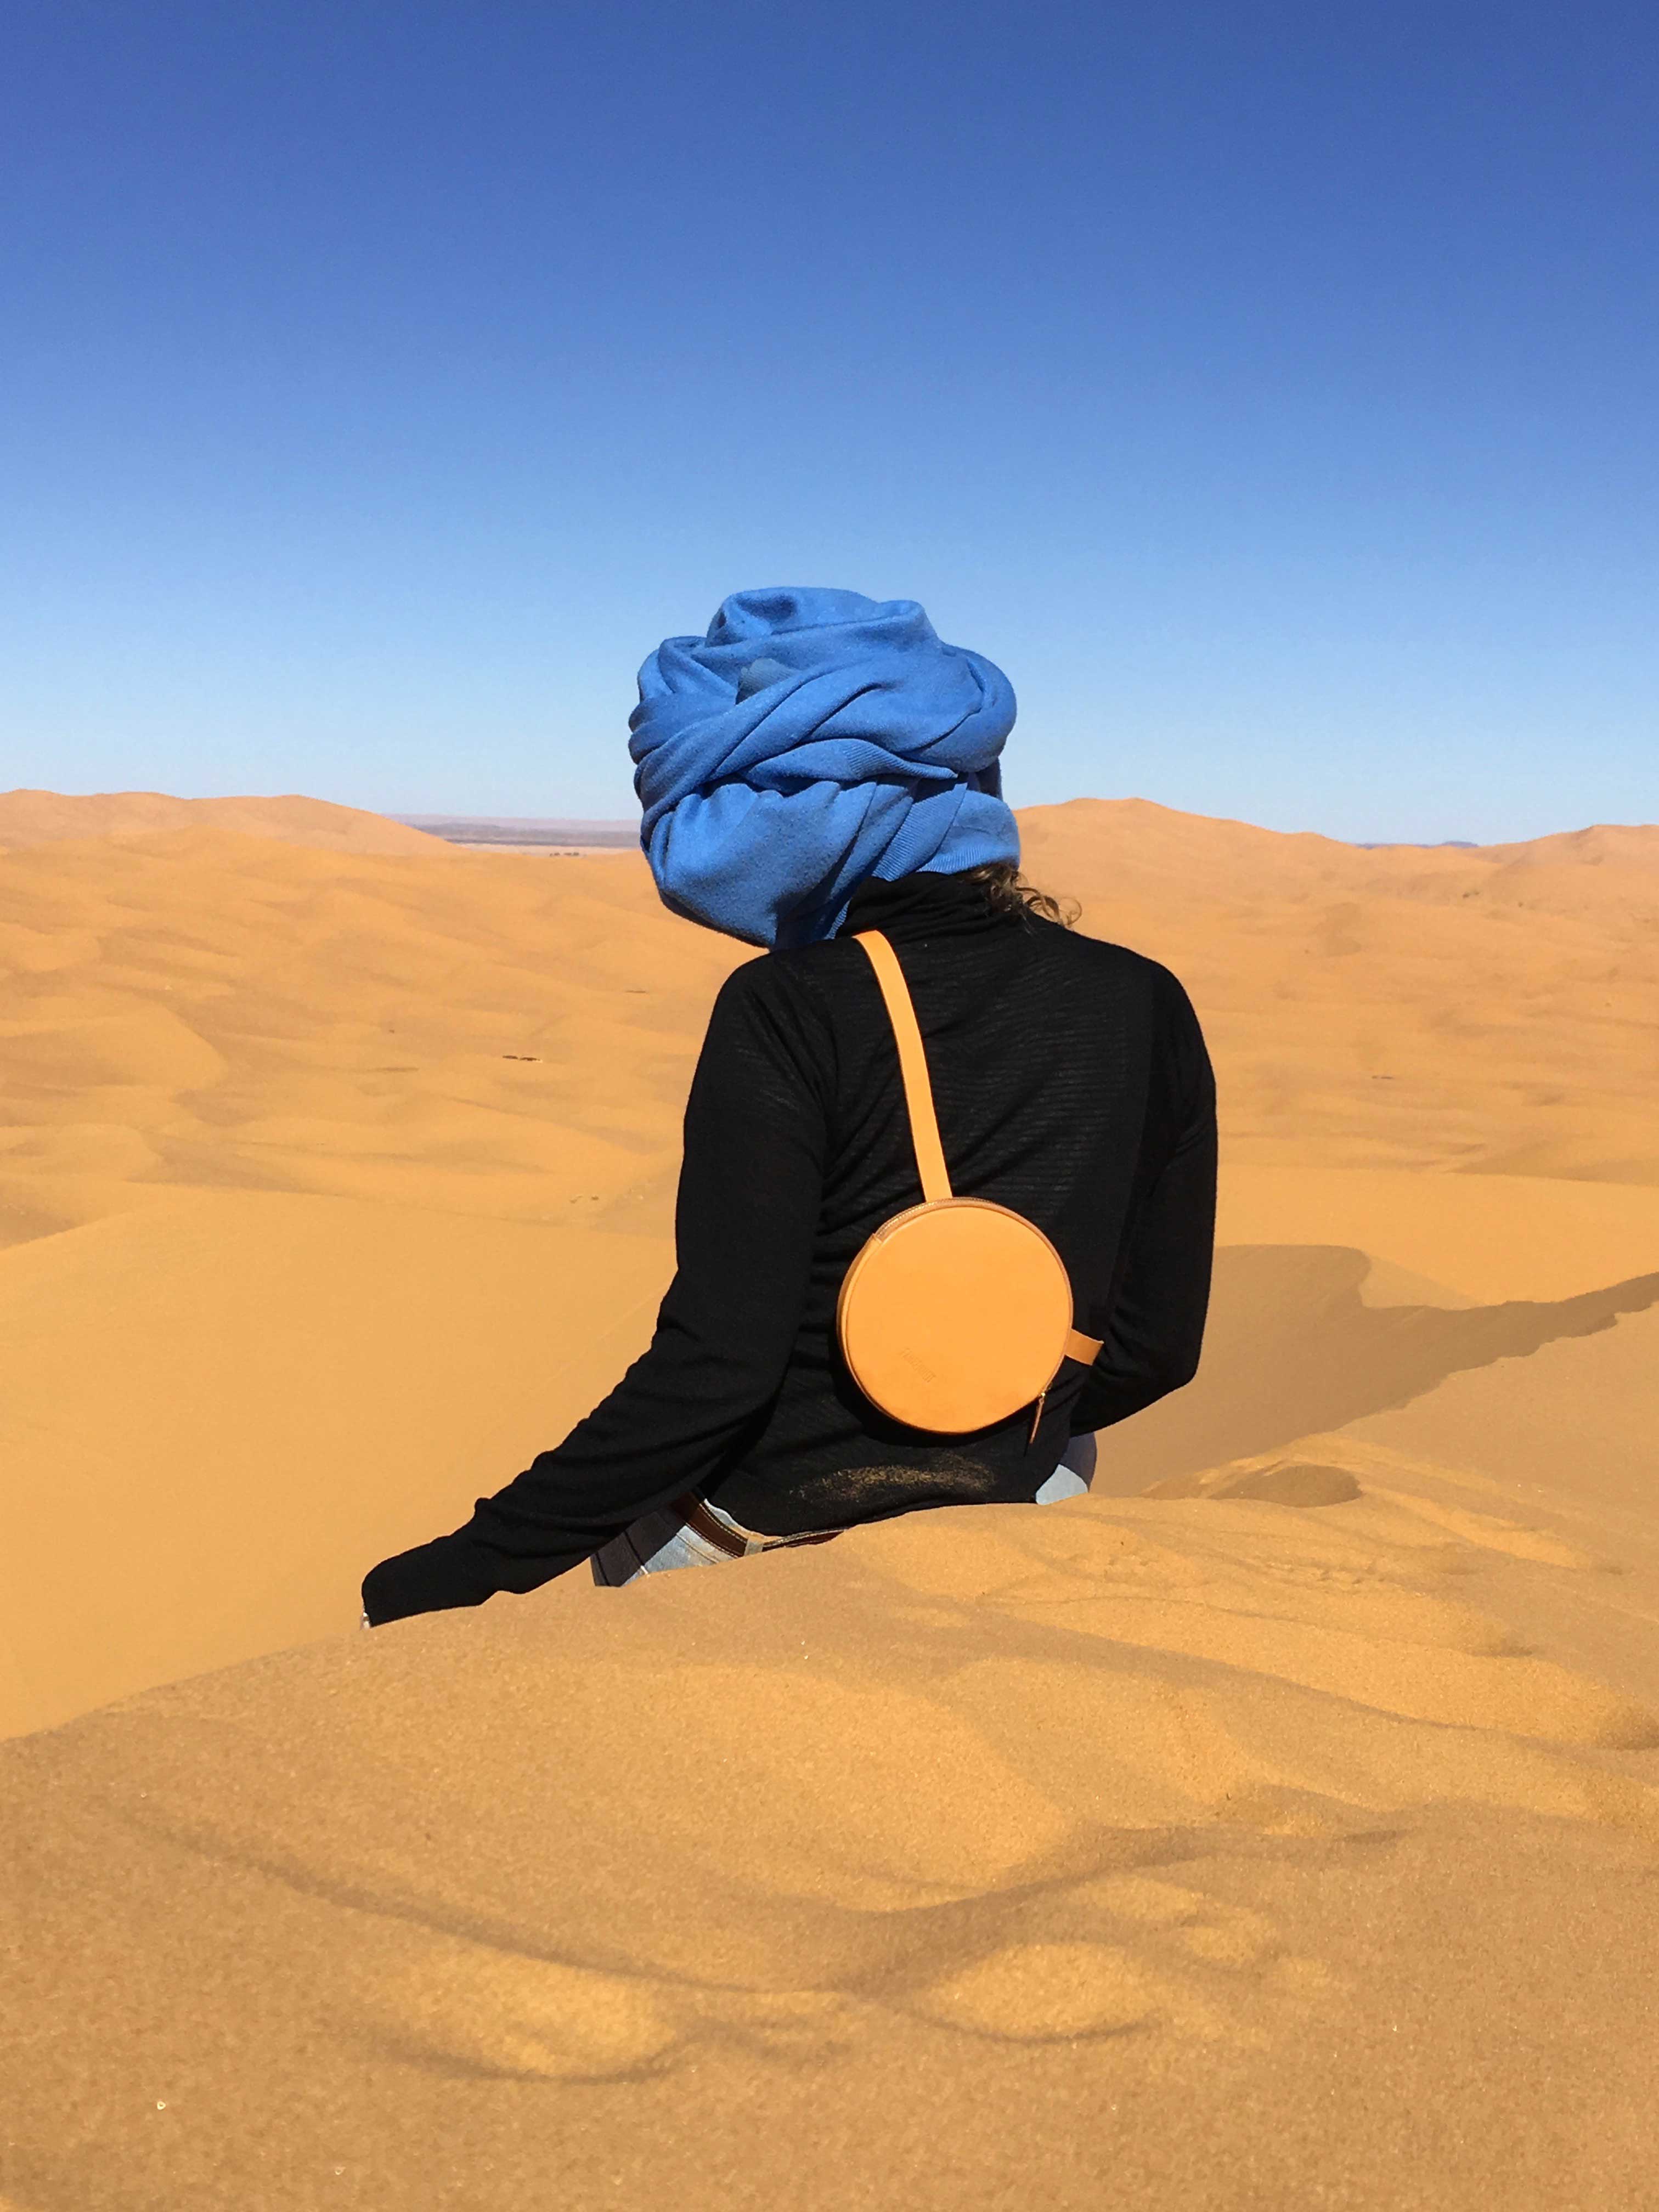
[{"x": 821, "y": 765}]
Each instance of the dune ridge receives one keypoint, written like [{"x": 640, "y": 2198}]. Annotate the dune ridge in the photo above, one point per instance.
[
  {"x": 1278, "y": 1825},
  {"x": 41, "y": 818},
  {"x": 1486, "y": 1011}
]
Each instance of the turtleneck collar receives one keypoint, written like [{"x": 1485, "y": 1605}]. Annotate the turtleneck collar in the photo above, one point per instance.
[{"x": 921, "y": 906}]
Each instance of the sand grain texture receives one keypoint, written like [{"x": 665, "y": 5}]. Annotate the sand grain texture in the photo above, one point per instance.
[{"x": 1278, "y": 1825}]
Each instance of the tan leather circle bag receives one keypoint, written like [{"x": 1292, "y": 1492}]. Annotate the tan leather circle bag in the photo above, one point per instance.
[{"x": 957, "y": 1312}]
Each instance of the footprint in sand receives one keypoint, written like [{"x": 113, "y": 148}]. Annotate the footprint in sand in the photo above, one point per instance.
[
  {"x": 1297, "y": 1482},
  {"x": 465, "y": 2007},
  {"x": 1291, "y": 1482},
  {"x": 1059, "y": 1992}
]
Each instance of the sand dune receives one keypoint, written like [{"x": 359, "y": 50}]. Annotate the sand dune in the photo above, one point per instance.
[
  {"x": 498, "y": 1035},
  {"x": 41, "y": 818},
  {"x": 1486, "y": 1011},
  {"x": 1163, "y": 1852},
  {"x": 278, "y": 1387},
  {"x": 1277, "y": 1825}
]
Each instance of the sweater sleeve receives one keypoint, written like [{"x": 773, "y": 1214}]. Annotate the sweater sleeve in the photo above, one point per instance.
[
  {"x": 1155, "y": 1329},
  {"x": 751, "y": 1184}
]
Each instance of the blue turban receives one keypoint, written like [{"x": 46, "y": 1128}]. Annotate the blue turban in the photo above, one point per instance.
[{"x": 812, "y": 740}]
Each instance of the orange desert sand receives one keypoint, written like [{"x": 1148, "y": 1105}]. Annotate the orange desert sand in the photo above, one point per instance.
[{"x": 1277, "y": 1827}]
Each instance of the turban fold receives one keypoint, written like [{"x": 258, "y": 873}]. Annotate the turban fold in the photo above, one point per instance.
[{"x": 811, "y": 740}]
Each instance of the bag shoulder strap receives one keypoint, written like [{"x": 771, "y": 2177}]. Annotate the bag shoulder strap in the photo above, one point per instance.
[
  {"x": 919, "y": 1096},
  {"x": 913, "y": 1066}
]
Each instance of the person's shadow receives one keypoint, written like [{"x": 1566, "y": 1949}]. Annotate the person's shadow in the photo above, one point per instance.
[{"x": 1291, "y": 1350}]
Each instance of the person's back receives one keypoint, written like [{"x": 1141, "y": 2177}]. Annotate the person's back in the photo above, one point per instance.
[
  {"x": 845, "y": 780},
  {"x": 1071, "y": 1086}
]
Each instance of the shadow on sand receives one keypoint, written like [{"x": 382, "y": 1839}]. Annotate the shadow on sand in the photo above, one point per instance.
[{"x": 1291, "y": 1351}]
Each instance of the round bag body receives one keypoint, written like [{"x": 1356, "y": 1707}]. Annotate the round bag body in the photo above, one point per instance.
[{"x": 955, "y": 1314}]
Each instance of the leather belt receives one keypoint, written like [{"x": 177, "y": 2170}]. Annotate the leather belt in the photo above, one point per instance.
[{"x": 694, "y": 1512}]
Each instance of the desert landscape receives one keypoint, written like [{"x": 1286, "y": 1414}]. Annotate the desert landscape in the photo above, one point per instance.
[{"x": 1278, "y": 1825}]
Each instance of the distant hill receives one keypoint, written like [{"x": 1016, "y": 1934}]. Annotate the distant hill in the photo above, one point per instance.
[
  {"x": 1119, "y": 850},
  {"x": 44, "y": 818}
]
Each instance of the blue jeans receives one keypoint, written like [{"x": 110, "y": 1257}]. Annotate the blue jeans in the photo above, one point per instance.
[
  {"x": 1073, "y": 1476},
  {"x": 660, "y": 1541}
]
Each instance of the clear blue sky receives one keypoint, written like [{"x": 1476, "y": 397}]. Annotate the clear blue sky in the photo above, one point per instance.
[{"x": 1273, "y": 389}]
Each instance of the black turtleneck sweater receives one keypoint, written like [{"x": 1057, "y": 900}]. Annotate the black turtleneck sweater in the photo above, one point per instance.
[{"x": 1072, "y": 1085}]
